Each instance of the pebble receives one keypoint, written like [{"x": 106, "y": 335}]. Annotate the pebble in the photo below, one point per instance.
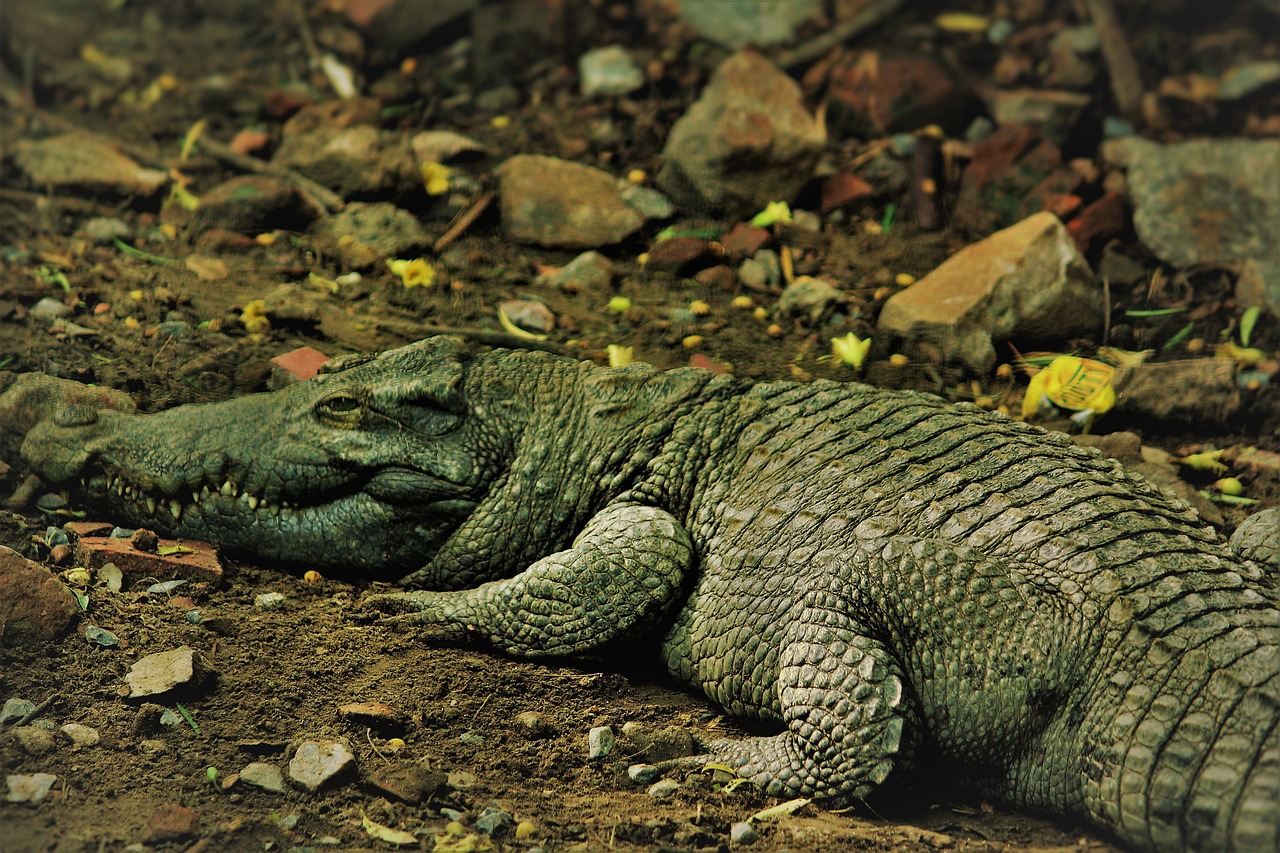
[
  {"x": 609, "y": 72},
  {"x": 737, "y": 24},
  {"x": 263, "y": 775},
  {"x": 643, "y": 774},
  {"x": 269, "y": 601},
  {"x": 165, "y": 587},
  {"x": 588, "y": 271},
  {"x": 15, "y": 709},
  {"x": 80, "y": 735},
  {"x": 317, "y": 763},
  {"x": 494, "y": 821},
  {"x": 104, "y": 229},
  {"x": 29, "y": 787},
  {"x": 101, "y": 636},
  {"x": 171, "y": 822},
  {"x": 50, "y": 308},
  {"x": 743, "y": 833},
  {"x": 55, "y": 536},
  {"x": 664, "y": 789},
  {"x": 555, "y": 202},
  {"x": 535, "y": 725},
  {"x": 164, "y": 671},
  {"x": 810, "y": 299},
  {"x": 599, "y": 742},
  {"x": 34, "y": 740},
  {"x": 471, "y": 739}
]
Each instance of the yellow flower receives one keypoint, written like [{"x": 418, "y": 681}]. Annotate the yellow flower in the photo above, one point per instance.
[
  {"x": 850, "y": 350},
  {"x": 254, "y": 318},
  {"x": 435, "y": 177},
  {"x": 774, "y": 212},
  {"x": 414, "y": 273},
  {"x": 619, "y": 356},
  {"x": 1081, "y": 385}
]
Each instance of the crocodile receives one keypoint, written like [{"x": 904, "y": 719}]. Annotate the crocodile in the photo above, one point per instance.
[{"x": 885, "y": 580}]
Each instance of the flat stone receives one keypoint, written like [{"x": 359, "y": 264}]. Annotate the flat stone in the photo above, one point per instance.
[
  {"x": 810, "y": 299},
  {"x": 316, "y": 764},
  {"x": 590, "y": 271},
  {"x": 747, "y": 141},
  {"x": 1207, "y": 392},
  {"x": 80, "y": 735},
  {"x": 357, "y": 160},
  {"x": 194, "y": 561},
  {"x": 296, "y": 366},
  {"x": 29, "y": 787},
  {"x": 1204, "y": 201},
  {"x": 262, "y": 775},
  {"x": 34, "y": 740},
  {"x": 84, "y": 161},
  {"x": 35, "y": 607},
  {"x": 609, "y": 72},
  {"x": 409, "y": 782},
  {"x": 251, "y": 203},
  {"x": 165, "y": 671},
  {"x": 377, "y": 713},
  {"x": 555, "y": 202},
  {"x": 599, "y": 742},
  {"x": 1027, "y": 284}
]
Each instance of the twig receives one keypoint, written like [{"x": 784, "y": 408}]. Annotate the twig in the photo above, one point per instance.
[
  {"x": 872, "y": 16},
  {"x": 463, "y": 221},
  {"x": 37, "y": 710},
  {"x": 39, "y": 200},
  {"x": 924, "y": 184},
  {"x": 1126, "y": 83},
  {"x": 414, "y": 331}
]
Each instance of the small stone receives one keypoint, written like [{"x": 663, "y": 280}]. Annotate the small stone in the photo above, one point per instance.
[
  {"x": 377, "y": 713},
  {"x": 319, "y": 763},
  {"x": 664, "y": 789},
  {"x": 643, "y": 774},
  {"x": 296, "y": 365},
  {"x": 80, "y": 735},
  {"x": 410, "y": 782},
  {"x": 364, "y": 235},
  {"x": 531, "y": 315},
  {"x": 15, "y": 709},
  {"x": 738, "y": 24},
  {"x": 493, "y": 821},
  {"x": 35, "y": 607},
  {"x": 678, "y": 254},
  {"x": 101, "y": 636},
  {"x": 744, "y": 240},
  {"x": 48, "y": 308},
  {"x": 535, "y": 725},
  {"x": 269, "y": 600},
  {"x": 263, "y": 775},
  {"x": 588, "y": 271},
  {"x": 103, "y": 229},
  {"x": 811, "y": 299},
  {"x": 609, "y": 72},
  {"x": 85, "y": 161},
  {"x": 29, "y": 787},
  {"x": 554, "y": 202},
  {"x": 159, "y": 673},
  {"x": 471, "y": 739},
  {"x": 1054, "y": 113},
  {"x": 743, "y": 833},
  {"x": 599, "y": 742},
  {"x": 172, "y": 822}
]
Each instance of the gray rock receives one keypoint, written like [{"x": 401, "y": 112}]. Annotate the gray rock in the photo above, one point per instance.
[
  {"x": 663, "y": 789},
  {"x": 535, "y": 725},
  {"x": 269, "y": 601},
  {"x": 365, "y": 235},
  {"x": 738, "y": 23},
  {"x": 15, "y": 709},
  {"x": 262, "y": 775},
  {"x": 1026, "y": 283},
  {"x": 104, "y": 229},
  {"x": 643, "y": 774},
  {"x": 599, "y": 742},
  {"x": 164, "y": 671},
  {"x": 609, "y": 72},
  {"x": 49, "y": 308},
  {"x": 360, "y": 160},
  {"x": 1207, "y": 392},
  {"x": 319, "y": 763},
  {"x": 810, "y": 298},
  {"x": 1206, "y": 200},
  {"x": 743, "y": 833},
  {"x": 554, "y": 202},
  {"x": 747, "y": 141},
  {"x": 84, "y": 161},
  {"x": 494, "y": 821},
  {"x": 1259, "y": 285}
]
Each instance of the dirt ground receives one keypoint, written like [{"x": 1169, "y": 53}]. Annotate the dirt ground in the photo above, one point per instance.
[{"x": 282, "y": 675}]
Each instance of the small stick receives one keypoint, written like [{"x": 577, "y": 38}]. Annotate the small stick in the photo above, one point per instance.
[
  {"x": 1126, "y": 83},
  {"x": 37, "y": 710},
  {"x": 321, "y": 196},
  {"x": 872, "y": 16},
  {"x": 463, "y": 221},
  {"x": 924, "y": 185}
]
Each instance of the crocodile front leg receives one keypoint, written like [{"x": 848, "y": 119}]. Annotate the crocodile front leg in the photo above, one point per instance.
[{"x": 622, "y": 573}]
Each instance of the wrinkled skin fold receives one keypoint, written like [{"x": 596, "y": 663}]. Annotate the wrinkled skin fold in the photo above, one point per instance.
[{"x": 889, "y": 580}]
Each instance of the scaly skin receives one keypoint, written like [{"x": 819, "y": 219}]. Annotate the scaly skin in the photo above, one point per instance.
[{"x": 890, "y": 579}]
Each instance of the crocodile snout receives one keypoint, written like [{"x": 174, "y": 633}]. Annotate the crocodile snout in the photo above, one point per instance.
[{"x": 75, "y": 416}]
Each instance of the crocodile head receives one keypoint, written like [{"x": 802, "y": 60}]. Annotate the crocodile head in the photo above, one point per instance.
[{"x": 368, "y": 466}]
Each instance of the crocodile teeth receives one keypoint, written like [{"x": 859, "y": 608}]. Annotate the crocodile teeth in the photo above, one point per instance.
[
  {"x": 227, "y": 490},
  {"x": 175, "y": 509},
  {"x": 151, "y": 504},
  {"x": 253, "y": 501},
  {"x": 195, "y": 497}
]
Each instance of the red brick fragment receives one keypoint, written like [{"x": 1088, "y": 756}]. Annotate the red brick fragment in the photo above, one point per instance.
[
  {"x": 194, "y": 561},
  {"x": 744, "y": 240},
  {"x": 843, "y": 188},
  {"x": 302, "y": 363}
]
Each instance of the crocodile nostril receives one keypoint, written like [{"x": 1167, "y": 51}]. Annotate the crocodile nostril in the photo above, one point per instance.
[{"x": 75, "y": 416}]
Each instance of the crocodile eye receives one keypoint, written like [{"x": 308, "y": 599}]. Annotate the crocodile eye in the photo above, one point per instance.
[{"x": 340, "y": 410}]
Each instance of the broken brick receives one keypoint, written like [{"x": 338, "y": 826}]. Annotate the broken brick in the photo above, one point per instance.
[
  {"x": 192, "y": 560},
  {"x": 296, "y": 366}
]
